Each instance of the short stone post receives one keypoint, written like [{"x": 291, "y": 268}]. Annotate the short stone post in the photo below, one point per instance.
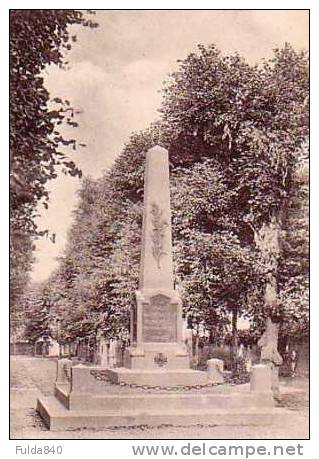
[
  {"x": 82, "y": 380},
  {"x": 261, "y": 380},
  {"x": 63, "y": 373},
  {"x": 215, "y": 368}
]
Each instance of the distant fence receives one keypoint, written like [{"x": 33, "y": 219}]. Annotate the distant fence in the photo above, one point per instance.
[{"x": 21, "y": 348}]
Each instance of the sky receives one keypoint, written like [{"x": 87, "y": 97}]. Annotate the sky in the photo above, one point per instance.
[{"x": 115, "y": 76}]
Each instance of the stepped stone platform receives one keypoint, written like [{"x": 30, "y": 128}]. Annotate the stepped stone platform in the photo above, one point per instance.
[{"x": 82, "y": 400}]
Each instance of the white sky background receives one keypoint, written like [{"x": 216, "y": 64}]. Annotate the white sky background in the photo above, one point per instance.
[{"x": 116, "y": 72}]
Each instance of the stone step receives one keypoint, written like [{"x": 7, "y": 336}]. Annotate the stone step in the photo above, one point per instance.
[
  {"x": 176, "y": 401},
  {"x": 57, "y": 417},
  {"x": 166, "y": 377}
]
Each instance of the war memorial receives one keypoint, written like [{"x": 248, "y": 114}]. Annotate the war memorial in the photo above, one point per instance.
[{"x": 156, "y": 384}]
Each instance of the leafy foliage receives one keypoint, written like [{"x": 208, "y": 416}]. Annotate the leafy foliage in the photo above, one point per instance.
[
  {"x": 252, "y": 121},
  {"x": 207, "y": 245},
  {"x": 236, "y": 135},
  {"x": 294, "y": 260},
  {"x": 37, "y": 306},
  {"x": 38, "y": 38}
]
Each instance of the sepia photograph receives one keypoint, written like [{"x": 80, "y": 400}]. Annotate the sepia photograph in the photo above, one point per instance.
[{"x": 159, "y": 224}]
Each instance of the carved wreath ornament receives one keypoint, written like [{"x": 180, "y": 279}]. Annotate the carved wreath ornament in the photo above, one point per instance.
[
  {"x": 160, "y": 359},
  {"x": 158, "y": 233}
]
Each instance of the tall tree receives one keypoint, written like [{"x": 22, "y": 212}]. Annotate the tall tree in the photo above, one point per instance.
[
  {"x": 38, "y": 38},
  {"x": 252, "y": 120}
]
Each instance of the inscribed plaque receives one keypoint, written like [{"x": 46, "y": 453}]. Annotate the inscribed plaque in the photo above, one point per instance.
[{"x": 159, "y": 320}]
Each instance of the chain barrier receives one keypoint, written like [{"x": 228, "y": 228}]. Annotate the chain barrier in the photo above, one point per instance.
[{"x": 101, "y": 375}]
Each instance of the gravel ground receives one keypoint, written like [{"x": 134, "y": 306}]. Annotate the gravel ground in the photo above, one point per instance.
[{"x": 31, "y": 377}]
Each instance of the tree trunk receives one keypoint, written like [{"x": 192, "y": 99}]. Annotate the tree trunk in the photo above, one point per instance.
[
  {"x": 267, "y": 240},
  {"x": 196, "y": 350},
  {"x": 234, "y": 339}
]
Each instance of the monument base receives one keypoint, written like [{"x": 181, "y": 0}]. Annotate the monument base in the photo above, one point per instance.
[
  {"x": 57, "y": 417},
  {"x": 95, "y": 397}
]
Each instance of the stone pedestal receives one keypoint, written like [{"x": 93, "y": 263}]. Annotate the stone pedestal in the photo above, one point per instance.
[
  {"x": 157, "y": 342},
  {"x": 261, "y": 379}
]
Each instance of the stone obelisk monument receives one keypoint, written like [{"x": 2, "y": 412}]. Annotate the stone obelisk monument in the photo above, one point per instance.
[
  {"x": 156, "y": 318},
  {"x": 157, "y": 358}
]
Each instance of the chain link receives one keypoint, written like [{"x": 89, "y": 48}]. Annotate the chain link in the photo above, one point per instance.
[{"x": 101, "y": 375}]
